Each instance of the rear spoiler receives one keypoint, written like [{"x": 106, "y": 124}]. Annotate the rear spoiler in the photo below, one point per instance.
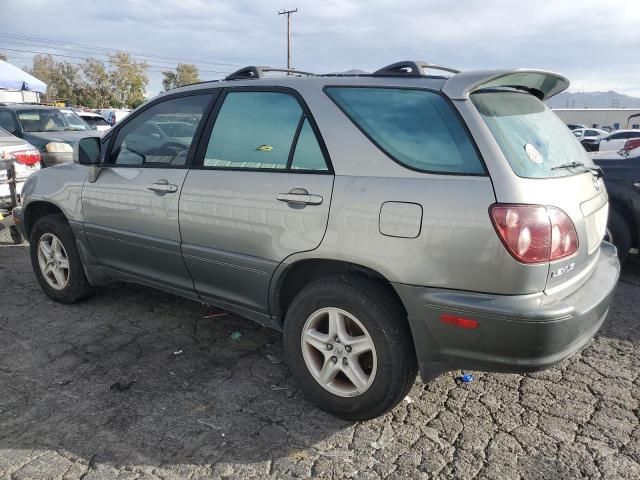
[{"x": 540, "y": 83}]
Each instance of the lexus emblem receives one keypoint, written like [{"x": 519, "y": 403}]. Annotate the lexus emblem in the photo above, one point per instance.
[{"x": 596, "y": 183}]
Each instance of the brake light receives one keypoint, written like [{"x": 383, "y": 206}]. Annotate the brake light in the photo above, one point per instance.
[
  {"x": 534, "y": 233},
  {"x": 631, "y": 144},
  {"x": 27, "y": 157}
]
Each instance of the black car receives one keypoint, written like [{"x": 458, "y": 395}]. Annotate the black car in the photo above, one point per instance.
[
  {"x": 54, "y": 131},
  {"x": 622, "y": 179}
]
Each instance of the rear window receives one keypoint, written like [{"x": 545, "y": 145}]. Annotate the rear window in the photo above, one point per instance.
[
  {"x": 531, "y": 136},
  {"x": 416, "y": 128}
]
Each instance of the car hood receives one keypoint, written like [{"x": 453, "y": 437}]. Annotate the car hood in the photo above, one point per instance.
[{"x": 40, "y": 139}]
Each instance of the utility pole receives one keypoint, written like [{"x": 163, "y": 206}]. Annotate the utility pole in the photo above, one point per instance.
[{"x": 288, "y": 13}]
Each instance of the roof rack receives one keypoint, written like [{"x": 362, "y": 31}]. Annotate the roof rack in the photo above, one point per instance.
[
  {"x": 410, "y": 68},
  {"x": 254, "y": 72}
]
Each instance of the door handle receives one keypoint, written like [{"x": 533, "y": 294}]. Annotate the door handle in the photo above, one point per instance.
[
  {"x": 299, "y": 196},
  {"x": 163, "y": 186}
]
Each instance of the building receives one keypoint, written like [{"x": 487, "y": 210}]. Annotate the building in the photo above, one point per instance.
[{"x": 616, "y": 118}]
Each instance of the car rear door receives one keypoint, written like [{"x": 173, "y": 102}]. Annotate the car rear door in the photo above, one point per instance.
[
  {"x": 131, "y": 210},
  {"x": 259, "y": 192}
]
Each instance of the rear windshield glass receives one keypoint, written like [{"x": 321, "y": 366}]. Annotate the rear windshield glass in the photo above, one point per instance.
[
  {"x": 531, "y": 136},
  {"x": 416, "y": 128}
]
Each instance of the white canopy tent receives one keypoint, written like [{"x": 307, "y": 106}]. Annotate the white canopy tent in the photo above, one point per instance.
[{"x": 16, "y": 85}]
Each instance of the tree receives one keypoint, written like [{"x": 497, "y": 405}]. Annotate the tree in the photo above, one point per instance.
[
  {"x": 185, "y": 74},
  {"x": 96, "y": 88},
  {"x": 128, "y": 80},
  {"x": 62, "y": 78}
]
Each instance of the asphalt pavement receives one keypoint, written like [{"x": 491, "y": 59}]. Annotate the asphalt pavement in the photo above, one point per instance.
[{"x": 139, "y": 384}]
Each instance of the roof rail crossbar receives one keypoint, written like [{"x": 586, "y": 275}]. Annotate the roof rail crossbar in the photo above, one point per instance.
[
  {"x": 253, "y": 72},
  {"x": 410, "y": 68}
]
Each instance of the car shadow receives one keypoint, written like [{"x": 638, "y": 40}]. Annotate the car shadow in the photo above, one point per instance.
[{"x": 135, "y": 375}]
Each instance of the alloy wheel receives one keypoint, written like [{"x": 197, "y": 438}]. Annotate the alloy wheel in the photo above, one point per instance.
[{"x": 339, "y": 352}]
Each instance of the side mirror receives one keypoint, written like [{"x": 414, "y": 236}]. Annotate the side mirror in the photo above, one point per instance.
[{"x": 90, "y": 151}]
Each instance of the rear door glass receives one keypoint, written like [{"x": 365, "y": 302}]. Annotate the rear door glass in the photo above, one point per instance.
[
  {"x": 532, "y": 138},
  {"x": 416, "y": 128}
]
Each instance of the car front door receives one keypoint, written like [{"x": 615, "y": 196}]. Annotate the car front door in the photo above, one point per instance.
[
  {"x": 260, "y": 191},
  {"x": 131, "y": 210}
]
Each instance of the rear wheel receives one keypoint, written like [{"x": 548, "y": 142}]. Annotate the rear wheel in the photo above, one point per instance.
[
  {"x": 349, "y": 347},
  {"x": 56, "y": 261},
  {"x": 619, "y": 233}
]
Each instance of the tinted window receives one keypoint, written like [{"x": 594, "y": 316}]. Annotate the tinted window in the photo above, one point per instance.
[
  {"x": 142, "y": 142},
  {"x": 8, "y": 121},
  {"x": 532, "y": 138},
  {"x": 307, "y": 154},
  {"x": 417, "y": 128},
  {"x": 591, "y": 133},
  {"x": 254, "y": 130}
]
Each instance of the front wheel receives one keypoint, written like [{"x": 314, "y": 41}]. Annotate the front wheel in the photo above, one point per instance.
[
  {"x": 56, "y": 261},
  {"x": 349, "y": 347}
]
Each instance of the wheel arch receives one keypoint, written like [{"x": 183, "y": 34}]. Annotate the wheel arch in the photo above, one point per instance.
[
  {"x": 36, "y": 210},
  {"x": 292, "y": 278}
]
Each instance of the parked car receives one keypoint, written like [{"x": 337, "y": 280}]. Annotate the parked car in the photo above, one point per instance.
[
  {"x": 616, "y": 140},
  {"x": 622, "y": 178},
  {"x": 95, "y": 121},
  {"x": 589, "y": 137},
  {"x": 574, "y": 126},
  {"x": 54, "y": 131},
  {"x": 385, "y": 223},
  {"x": 26, "y": 160},
  {"x": 113, "y": 116}
]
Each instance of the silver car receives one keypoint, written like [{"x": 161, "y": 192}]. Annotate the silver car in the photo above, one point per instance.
[{"x": 386, "y": 223}]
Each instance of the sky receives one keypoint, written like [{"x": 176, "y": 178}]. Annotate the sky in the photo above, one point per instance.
[{"x": 594, "y": 43}]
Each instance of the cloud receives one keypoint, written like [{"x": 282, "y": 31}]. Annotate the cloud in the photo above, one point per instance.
[{"x": 592, "y": 43}]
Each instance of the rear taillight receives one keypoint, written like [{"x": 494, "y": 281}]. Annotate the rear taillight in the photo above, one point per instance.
[
  {"x": 27, "y": 157},
  {"x": 534, "y": 233}
]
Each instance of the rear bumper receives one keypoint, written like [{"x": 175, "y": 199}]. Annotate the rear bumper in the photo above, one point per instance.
[{"x": 515, "y": 333}]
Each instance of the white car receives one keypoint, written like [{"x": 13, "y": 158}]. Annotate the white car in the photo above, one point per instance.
[
  {"x": 113, "y": 116},
  {"x": 95, "y": 121},
  {"x": 26, "y": 159},
  {"x": 615, "y": 140},
  {"x": 589, "y": 137}
]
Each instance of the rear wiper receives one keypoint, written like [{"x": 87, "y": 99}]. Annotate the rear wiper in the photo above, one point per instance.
[{"x": 594, "y": 170}]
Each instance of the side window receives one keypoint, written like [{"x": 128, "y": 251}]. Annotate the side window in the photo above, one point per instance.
[
  {"x": 8, "y": 121},
  {"x": 307, "y": 154},
  {"x": 146, "y": 141},
  {"x": 416, "y": 128},
  {"x": 254, "y": 130}
]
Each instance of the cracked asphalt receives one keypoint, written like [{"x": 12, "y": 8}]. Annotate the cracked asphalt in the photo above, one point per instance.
[{"x": 200, "y": 404}]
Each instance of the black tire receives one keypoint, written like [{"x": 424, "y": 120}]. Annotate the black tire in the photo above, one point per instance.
[
  {"x": 77, "y": 287},
  {"x": 619, "y": 234},
  {"x": 16, "y": 236},
  {"x": 384, "y": 318}
]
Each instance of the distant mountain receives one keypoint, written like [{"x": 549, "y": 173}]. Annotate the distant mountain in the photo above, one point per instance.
[{"x": 608, "y": 99}]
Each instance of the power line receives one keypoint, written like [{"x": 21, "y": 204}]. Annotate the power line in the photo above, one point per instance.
[
  {"x": 92, "y": 58},
  {"x": 96, "y": 47}
]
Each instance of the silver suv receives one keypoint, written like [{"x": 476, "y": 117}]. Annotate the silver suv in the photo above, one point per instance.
[{"x": 386, "y": 223}]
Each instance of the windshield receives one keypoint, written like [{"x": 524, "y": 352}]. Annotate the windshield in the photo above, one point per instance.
[
  {"x": 51, "y": 120},
  {"x": 533, "y": 138}
]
